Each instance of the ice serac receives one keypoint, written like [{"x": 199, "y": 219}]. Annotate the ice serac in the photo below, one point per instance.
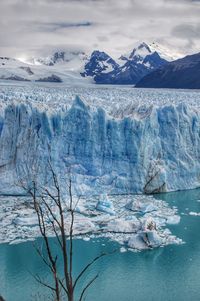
[{"x": 155, "y": 149}]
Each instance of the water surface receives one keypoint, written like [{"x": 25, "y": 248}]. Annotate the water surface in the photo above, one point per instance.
[{"x": 171, "y": 273}]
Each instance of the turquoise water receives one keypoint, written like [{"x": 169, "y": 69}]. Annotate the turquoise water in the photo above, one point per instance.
[{"x": 165, "y": 274}]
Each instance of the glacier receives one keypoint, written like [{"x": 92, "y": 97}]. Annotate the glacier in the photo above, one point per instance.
[{"x": 135, "y": 148}]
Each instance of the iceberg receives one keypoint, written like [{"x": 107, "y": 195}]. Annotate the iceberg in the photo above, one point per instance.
[
  {"x": 105, "y": 205},
  {"x": 145, "y": 240},
  {"x": 148, "y": 237},
  {"x": 137, "y": 242},
  {"x": 141, "y": 206},
  {"x": 124, "y": 225}
]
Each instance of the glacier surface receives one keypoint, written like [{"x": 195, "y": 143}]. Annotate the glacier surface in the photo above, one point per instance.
[{"x": 115, "y": 140}]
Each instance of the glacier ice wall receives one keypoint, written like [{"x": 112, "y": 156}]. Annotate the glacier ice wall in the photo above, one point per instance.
[{"x": 155, "y": 150}]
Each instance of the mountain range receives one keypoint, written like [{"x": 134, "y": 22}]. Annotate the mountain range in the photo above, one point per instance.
[
  {"x": 98, "y": 67},
  {"x": 144, "y": 66},
  {"x": 127, "y": 70}
]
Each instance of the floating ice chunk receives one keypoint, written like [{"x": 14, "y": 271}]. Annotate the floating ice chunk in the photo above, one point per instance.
[
  {"x": 125, "y": 226},
  {"x": 194, "y": 213},
  {"x": 160, "y": 221},
  {"x": 173, "y": 220},
  {"x": 84, "y": 225},
  {"x": 145, "y": 240},
  {"x": 17, "y": 241},
  {"x": 105, "y": 205},
  {"x": 143, "y": 207},
  {"x": 152, "y": 238},
  {"x": 149, "y": 237},
  {"x": 136, "y": 242}
]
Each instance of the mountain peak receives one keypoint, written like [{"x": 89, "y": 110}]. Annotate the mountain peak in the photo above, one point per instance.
[
  {"x": 101, "y": 55},
  {"x": 144, "y": 45},
  {"x": 99, "y": 62},
  {"x": 165, "y": 52},
  {"x": 140, "y": 51},
  {"x": 59, "y": 56},
  {"x": 143, "y": 49}
]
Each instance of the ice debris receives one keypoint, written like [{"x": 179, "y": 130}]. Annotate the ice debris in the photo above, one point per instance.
[{"x": 104, "y": 216}]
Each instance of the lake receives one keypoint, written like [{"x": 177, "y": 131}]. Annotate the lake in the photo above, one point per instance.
[{"x": 171, "y": 273}]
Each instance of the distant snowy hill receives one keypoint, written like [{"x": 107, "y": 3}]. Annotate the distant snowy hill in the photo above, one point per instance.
[
  {"x": 183, "y": 73},
  {"x": 79, "y": 67},
  {"x": 73, "y": 59},
  {"x": 129, "y": 69},
  {"x": 57, "y": 68}
]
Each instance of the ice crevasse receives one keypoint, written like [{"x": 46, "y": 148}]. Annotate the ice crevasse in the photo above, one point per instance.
[{"x": 154, "y": 149}]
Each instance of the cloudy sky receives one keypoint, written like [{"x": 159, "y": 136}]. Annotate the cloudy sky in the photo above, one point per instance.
[{"x": 40, "y": 26}]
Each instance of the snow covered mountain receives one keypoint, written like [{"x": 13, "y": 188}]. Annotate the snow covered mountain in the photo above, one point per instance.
[
  {"x": 146, "y": 54},
  {"x": 77, "y": 66},
  {"x": 13, "y": 69},
  {"x": 128, "y": 70},
  {"x": 99, "y": 63},
  {"x": 73, "y": 59}
]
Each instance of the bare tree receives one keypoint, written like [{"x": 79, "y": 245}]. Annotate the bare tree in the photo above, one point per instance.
[{"x": 51, "y": 212}]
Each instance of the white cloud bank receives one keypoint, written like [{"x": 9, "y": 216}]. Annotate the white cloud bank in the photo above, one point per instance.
[{"x": 33, "y": 26}]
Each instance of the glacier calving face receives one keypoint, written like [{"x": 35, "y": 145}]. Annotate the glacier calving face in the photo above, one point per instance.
[{"x": 154, "y": 149}]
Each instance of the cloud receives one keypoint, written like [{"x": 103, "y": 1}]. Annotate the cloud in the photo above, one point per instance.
[
  {"x": 187, "y": 31},
  {"x": 30, "y": 26},
  {"x": 51, "y": 27}
]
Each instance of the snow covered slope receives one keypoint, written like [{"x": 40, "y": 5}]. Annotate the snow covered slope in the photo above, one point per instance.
[
  {"x": 165, "y": 52},
  {"x": 130, "y": 147},
  {"x": 74, "y": 59},
  {"x": 67, "y": 71},
  {"x": 150, "y": 55}
]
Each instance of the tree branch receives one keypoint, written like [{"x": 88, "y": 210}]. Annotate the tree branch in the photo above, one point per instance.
[
  {"x": 87, "y": 286},
  {"x": 87, "y": 267}
]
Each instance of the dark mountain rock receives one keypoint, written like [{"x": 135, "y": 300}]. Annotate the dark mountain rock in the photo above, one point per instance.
[
  {"x": 52, "y": 78},
  {"x": 99, "y": 63},
  {"x": 182, "y": 73}
]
